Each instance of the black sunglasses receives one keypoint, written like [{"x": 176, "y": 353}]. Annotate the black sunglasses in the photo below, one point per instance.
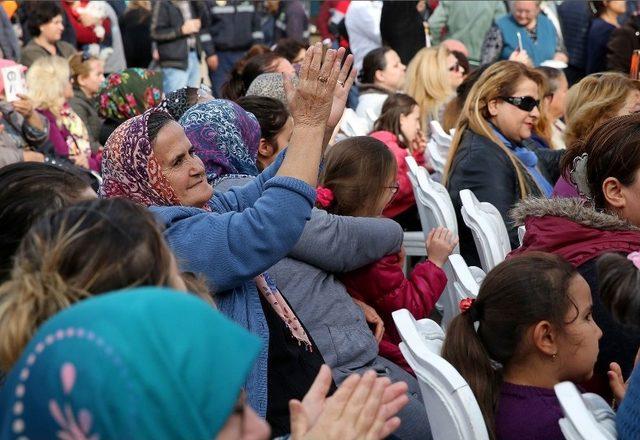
[{"x": 526, "y": 103}]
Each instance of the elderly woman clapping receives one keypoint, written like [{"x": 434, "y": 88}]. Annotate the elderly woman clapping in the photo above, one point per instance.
[{"x": 232, "y": 238}]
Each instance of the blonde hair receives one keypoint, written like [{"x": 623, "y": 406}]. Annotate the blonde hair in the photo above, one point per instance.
[
  {"x": 86, "y": 249},
  {"x": 593, "y": 100},
  {"x": 428, "y": 81},
  {"x": 500, "y": 79},
  {"x": 46, "y": 80}
]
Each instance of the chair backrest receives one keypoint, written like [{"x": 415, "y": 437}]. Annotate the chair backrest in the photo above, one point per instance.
[
  {"x": 452, "y": 408},
  {"x": 521, "y": 231},
  {"x": 352, "y": 125},
  {"x": 437, "y": 158},
  {"x": 424, "y": 331},
  {"x": 442, "y": 138},
  {"x": 432, "y": 199},
  {"x": 461, "y": 284},
  {"x": 488, "y": 229},
  {"x": 579, "y": 422}
]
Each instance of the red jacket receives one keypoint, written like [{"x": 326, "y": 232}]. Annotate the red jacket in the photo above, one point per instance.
[
  {"x": 404, "y": 198},
  {"x": 383, "y": 286},
  {"x": 84, "y": 34}
]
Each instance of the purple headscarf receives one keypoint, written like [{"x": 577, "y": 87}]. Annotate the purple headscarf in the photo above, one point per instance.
[{"x": 225, "y": 137}]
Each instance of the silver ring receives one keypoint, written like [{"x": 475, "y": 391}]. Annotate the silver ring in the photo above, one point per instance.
[
  {"x": 341, "y": 83},
  {"x": 322, "y": 79}
]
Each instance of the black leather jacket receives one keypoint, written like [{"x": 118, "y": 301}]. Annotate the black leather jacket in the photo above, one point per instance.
[
  {"x": 166, "y": 25},
  {"x": 481, "y": 166}
]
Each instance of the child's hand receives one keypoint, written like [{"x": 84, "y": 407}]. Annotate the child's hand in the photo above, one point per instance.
[
  {"x": 372, "y": 317},
  {"x": 616, "y": 381},
  {"x": 440, "y": 243}
]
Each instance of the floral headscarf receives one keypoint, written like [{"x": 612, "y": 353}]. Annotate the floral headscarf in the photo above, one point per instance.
[
  {"x": 146, "y": 363},
  {"x": 130, "y": 168},
  {"x": 129, "y": 93},
  {"x": 225, "y": 137}
]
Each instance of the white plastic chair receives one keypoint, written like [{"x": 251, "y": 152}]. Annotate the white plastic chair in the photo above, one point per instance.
[
  {"x": 488, "y": 229},
  {"x": 437, "y": 158},
  {"x": 353, "y": 125},
  {"x": 452, "y": 408},
  {"x": 461, "y": 284},
  {"x": 428, "y": 331},
  {"x": 579, "y": 422},
  {"x": 521, "y": 231}
]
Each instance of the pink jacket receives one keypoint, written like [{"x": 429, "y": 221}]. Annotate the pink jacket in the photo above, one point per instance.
[{"x": 404, "y": 198}]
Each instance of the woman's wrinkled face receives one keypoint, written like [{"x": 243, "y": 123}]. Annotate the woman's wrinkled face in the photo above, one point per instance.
[
  {"x": 578, "y": 342},
  {"x": 525, "y": 12},
  {"x": 392, "y": 76},
  {"x": 181, "y": 167},
  {"x": 244, "y": 424},
  {"x": 92, "y": 81},
  {"x": 410, "y": 124},
  {"x": 52, "y": 30},
  {"x": 514, "y": 123}
]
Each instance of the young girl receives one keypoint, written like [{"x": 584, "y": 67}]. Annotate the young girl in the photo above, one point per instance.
[
  {"x": 359, "y": 180},
  {"x": 529, "y": 329},
  {"x": 399, "y": 128}
]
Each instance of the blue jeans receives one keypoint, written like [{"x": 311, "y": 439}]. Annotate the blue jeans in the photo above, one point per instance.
[
  {"x": 174, "y": 79},
  {"x": 226, "y": 61}
]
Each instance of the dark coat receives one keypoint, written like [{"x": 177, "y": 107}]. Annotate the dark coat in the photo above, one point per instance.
[
  {"x": 401, "y": 28},
  {"x": 622, "y": 43},
  {"x": 166, "y": 31},
  {"x": 483, "y": 167}
]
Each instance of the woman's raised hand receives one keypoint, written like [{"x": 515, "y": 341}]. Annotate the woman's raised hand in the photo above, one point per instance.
[{"x": 311, "y": 101}]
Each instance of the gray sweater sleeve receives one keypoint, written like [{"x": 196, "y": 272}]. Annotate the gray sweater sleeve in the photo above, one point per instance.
[{"x": 341, "y": 244}]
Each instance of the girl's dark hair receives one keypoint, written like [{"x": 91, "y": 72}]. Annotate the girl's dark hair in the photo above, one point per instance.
[
  {"x": 613, "y": 150},
  {"x": 245, "y": 71},
  {"x": 29, "y": 190},
  {"x": 289, "y": 48},
  {"x": 389, "y": 120},
  {"x": 597, "y": 7},
  {"x": 619, "y": 286},
  {"x": 373, "y": 61},
  {"x": 454, "y": 107},
  {"x": 272, "y": 114},
  {"x": 157, "y": 120},
  {"x": 356, "y": 170},
  {"x": 40, "y": 13},
  {"x": 515, "y": 295},
  {"x": 90, "y": 248}
]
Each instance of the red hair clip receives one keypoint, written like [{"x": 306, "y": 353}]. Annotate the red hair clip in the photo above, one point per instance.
[
  {"x": 465, "y": 304},
  {"x": 324, "y": 196}
]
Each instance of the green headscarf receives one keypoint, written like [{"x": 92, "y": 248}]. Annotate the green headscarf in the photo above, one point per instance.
[
  {"x": 146, "y": 363},
  {"x": 129, "y": 93}
]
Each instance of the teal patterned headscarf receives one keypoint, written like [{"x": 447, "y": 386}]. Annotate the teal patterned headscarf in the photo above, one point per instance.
[{"x": 147, "y": 363}]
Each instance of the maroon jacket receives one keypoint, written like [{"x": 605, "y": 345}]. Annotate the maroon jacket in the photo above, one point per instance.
[
  {"x": 575, "y": 231},
  {"x": 383, "y": 286}
]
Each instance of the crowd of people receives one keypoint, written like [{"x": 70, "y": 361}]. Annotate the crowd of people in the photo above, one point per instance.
[{"x": 194, "y": 243}]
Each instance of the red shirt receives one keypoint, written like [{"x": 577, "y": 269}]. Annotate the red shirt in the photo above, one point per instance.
[
  {"x": 383, "y": 286},
  {"x": 84, "y": 34}
]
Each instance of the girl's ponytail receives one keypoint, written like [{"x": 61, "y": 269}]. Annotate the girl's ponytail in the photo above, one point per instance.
[
  {"x": 518, "y": 293},
  {"x": 464, "y": 350}
]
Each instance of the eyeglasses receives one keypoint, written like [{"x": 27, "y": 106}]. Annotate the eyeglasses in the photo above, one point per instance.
[
  {"x": 526, "y": 103},
  {"x": 394, "y": 188},
  {"x": 455, "y": 68}
]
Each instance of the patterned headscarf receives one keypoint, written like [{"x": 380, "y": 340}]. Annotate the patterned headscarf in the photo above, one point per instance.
[
  {"x": 145, "y": 363},
  {"x": 129, "y": 93},
  {"x": 131, "y": 170},
  {"x": 176, "y": 103},
  {"x": 270, "y": 85},
  {"x": 225, "y": 137}
]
